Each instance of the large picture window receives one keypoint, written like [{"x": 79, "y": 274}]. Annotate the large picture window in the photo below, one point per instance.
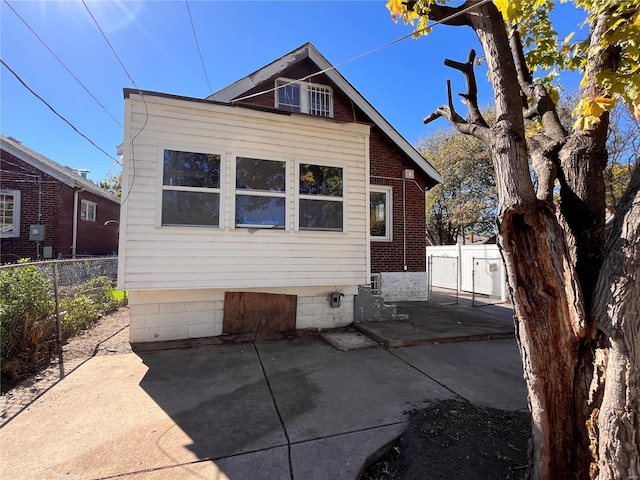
[
  {"x": 304, "y": 97},
  {"x": 260, "y": 193},
  {"x": 9, "y": 213},
  {"x": 380, "y": 213},
  {"x": 191, "y": 188},
  {"x": 321, "y": 201}
]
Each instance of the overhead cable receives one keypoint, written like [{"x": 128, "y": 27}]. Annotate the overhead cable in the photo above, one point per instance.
[
  {"x": 357, "y": 57},
  {"x": 54, "y": 110},
  {"x": 109, "y": 43},
  {"x": 198, "y": 45},
  {"x": 62, "y": 63},
  {"x": 144, "y": 101}
]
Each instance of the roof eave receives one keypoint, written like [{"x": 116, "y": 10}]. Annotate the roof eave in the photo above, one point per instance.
[{"x": 67, "y": 179}]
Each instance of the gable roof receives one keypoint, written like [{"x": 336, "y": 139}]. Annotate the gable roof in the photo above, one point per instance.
[
  {"x": 307, "y": 50},
  {"x": 54, "y": 169}
]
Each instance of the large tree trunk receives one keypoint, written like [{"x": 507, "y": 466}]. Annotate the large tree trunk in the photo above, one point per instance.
[
  {"x": 617, "y": 311},
  {"x": 579, "y": 342},
  {"x": 548, "y": 303},
  {"x": 549, "y": 327}
]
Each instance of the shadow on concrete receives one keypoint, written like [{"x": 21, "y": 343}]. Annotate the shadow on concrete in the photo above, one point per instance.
[{"x": 219, "y": 397}]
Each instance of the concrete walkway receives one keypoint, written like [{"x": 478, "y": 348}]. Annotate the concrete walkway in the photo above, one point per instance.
[
  {"x": 286, "y": 409},
  {"x": 433, "y": 323}
]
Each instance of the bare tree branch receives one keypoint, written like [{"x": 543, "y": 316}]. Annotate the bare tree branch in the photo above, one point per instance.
[
  {"x": 538, "y": 102},
  {"x": 524, "y": 75},
  {"x": 471, "y": 96}
]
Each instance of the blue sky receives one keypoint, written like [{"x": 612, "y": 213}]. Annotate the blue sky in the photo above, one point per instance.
[{"x": 155, "y": 42}]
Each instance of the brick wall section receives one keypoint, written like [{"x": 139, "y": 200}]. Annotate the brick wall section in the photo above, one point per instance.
[
  {"x": 55, "y": 212},
  {"x": 386, "y": 161}
]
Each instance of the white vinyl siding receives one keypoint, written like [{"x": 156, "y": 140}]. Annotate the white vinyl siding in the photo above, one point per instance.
[
  {"x": 178, "y": 257},
  {"x": 88, "y": 211}
]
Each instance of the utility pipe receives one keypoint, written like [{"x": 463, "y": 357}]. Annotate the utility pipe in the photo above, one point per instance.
[{"x": 75, "y": 222}]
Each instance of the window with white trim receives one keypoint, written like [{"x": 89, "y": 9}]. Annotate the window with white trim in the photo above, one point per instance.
[
  {"x": 380, "y": 218},
  {"x": 191, "y": 188},
  {"x": 321, "y": 198},
  {"x": 304, "y": 97},
  {"x": 260, "y": 193},
  {"x": 88, "y": 210},
  {"x": 9, "y": 213}
]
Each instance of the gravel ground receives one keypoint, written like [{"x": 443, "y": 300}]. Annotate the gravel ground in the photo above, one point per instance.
[{"x": 109, "y": 336}]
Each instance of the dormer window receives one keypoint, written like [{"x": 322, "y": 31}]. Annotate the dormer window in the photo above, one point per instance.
[{"x": 304, "y": 97}]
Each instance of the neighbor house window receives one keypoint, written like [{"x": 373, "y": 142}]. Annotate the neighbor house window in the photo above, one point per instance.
[
  {"x": 191, "y": 188},
  {"x": 380, "y": 213},
  {"x": 9, "y": 213},
  {"x": 321, "y": 201},
  {"x": 304, "y": 97},
  {"x": 87, "y": 211},
  {"x": 260, "y": 193}
]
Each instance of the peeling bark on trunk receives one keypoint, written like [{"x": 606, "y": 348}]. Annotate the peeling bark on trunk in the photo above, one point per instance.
[
  {"x": 549, "y": 326},
  {"x": 617, "y": 311}
]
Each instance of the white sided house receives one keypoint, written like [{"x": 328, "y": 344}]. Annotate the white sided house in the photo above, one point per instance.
[{"x": 240, "y": 219}]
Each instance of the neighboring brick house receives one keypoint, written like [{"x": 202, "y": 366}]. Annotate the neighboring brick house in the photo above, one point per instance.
[
  {"x": 38, "y": 199},
  {"x": 399, "y": 175}
]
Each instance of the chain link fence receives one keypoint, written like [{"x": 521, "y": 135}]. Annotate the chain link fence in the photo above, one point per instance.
[{"x": 43, "y": 304}]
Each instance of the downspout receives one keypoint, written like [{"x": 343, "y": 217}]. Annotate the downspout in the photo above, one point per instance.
[
  {"x": 404, "y": 222},
  {"x": 75, "y": 221}
]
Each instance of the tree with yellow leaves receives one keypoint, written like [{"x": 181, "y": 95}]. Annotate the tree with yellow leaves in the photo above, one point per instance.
[{"x": 575, "y": 284}]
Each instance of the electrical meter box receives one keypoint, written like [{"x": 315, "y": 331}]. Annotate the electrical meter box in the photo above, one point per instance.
[{"x": 36, "y": 233}]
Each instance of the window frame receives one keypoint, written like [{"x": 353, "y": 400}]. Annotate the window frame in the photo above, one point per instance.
[
  {"x": 198, "y": 149},
  {"x": 305, "y": 93},
  {"x": 301, "y": 196},
  {"x": 84, "y": 206},
  {"x": 235, "y": 192},
  {"x": 15, "y": 231},
  {"x": 388, "y": 191}
]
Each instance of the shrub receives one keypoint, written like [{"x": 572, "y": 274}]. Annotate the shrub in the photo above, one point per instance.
[
  {"x": 26, "y": 308},
  {"x": 98, "y": 298}
]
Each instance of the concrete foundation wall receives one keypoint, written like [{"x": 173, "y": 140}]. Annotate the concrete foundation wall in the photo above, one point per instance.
[
  {"x": 404, "y": 286},
  {"x": 159, "y": 315}
]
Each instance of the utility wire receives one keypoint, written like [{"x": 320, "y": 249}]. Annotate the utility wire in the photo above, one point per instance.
[
  {"x": 144, "y": 101},
  {"x": 108, "y": 43},
  {"x": 357, "y": 57},
  {"x": 62, "y": 63},
  {"x": 197, "y": 44},
  {"x": 54, "y": 111}
]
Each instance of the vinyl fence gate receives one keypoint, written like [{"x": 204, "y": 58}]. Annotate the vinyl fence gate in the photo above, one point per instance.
[{"x": 443, "y": 280}]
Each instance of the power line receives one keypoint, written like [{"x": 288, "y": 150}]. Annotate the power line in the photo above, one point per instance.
[
  {"x": 109, "y": 43},
  {"x": 54, "y": 110},
  {"x": 357, "y": 57},
  {"x": 144, "y": 101},
  {"x": 62, "y": 63},
  {"x": 197, "y": 44}
]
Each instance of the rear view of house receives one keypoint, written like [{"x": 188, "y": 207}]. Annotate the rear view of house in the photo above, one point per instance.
[
  {"x": 49, "y": 211},
  {"x": 251, "y": 211}
]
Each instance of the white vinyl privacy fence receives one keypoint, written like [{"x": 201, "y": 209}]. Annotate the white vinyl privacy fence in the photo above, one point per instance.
[{"x": 476, "y": 269}]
